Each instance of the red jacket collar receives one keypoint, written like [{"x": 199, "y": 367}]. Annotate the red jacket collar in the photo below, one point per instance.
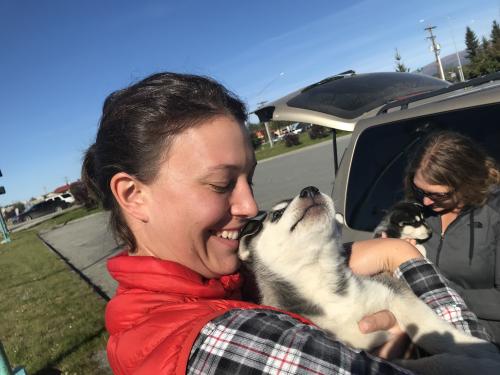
[{"x": 163, "y": 276}]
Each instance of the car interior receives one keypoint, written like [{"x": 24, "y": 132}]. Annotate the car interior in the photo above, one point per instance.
[{"x": 378, "y": 165}]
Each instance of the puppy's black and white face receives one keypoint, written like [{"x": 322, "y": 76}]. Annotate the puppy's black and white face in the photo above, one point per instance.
[
  {"x": 406, "y": 219},
  {"x": 293, "y": 230}
]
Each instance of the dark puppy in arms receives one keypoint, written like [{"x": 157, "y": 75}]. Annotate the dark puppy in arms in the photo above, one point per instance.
[{"x": 405, "y": 220}]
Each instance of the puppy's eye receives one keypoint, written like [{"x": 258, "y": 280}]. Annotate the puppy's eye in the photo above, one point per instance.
[{"x": 276, "y": 215}]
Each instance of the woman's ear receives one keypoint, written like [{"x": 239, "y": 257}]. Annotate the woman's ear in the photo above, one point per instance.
[{"x": 130, "y": 195}]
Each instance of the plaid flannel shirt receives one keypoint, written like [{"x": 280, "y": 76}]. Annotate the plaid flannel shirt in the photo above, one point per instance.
[{"x": 269, "y": 342}]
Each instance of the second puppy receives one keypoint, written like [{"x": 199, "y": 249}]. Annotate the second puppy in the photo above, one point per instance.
[{"x": 405, "y": 220}]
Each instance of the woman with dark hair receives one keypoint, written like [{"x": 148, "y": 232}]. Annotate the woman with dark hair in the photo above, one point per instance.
[
  {"x": 173, "y": 163},
  {"x": 452, "y": 176}
]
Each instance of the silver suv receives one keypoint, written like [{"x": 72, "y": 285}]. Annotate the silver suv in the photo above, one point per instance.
[{"x": 388, "y": 114}]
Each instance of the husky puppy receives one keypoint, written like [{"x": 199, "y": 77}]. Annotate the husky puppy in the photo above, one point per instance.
[
  {"x": 300, "y": 266},
  {"x": 405, "y": 220}
]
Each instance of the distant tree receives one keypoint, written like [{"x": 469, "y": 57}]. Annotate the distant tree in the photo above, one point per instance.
[
  {"x": 256, "y": 142},
  {"x": 485, "y": 44},
  {"x": 495, "y": 40},
  {"x": 485, "y": 58},
  {"x": 254, "y": 127},
  {"x": 471, "y": 43},
  {"x": 291, "y": 139},
  {"x": 495, "y": 33},
  {"x": 400, "y": 66},
  {"x": 317, "y": 131},
  {"x": 81, "y": 194}
]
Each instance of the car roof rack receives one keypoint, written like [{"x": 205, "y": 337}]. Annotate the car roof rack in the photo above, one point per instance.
[
  {"x": 347, "y": 73},
  {"x": 403, "y": 103}
]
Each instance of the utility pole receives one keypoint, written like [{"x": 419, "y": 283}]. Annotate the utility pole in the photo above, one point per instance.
[
  {"x": 260, "y": 104},
  {"x": 3, "y": 225},
  {"x": 435, "y": 48},
  {"x": 266, "y": 125}
]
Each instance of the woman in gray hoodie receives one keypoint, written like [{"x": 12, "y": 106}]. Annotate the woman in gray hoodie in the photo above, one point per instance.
[{"x": 460, "y": 185}]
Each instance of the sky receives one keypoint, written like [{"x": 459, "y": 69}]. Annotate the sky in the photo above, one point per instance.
[{"x": 60, "y": 59}]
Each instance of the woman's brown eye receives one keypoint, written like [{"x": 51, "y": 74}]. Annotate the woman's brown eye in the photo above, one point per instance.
[{"x": 223, "y": 188}]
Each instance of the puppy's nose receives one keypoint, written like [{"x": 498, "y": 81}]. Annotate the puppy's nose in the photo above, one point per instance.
[{"x": 309, "y": 191}]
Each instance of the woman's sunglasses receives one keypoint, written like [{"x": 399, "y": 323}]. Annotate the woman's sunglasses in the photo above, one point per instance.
[{"x": 435, "y": 197}]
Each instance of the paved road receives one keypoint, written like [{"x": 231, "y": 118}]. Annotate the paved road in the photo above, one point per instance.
[
  {"x": 87, "y": 243},
  {"x": 283, "y": 176}
]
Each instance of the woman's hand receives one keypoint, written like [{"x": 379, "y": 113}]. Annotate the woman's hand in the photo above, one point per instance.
[
  {"x": 369, "y": 258},
  {"x": 398, "y": 343},
  {"x": 378, "y": 255}
]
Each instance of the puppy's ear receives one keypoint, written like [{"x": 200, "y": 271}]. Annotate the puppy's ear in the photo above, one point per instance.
[{"x": 339, "y": 218}]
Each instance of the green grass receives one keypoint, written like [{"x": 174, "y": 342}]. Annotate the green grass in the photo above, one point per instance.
[
  {"x": 51, "y": 319},
  {"x": 265, "y": 151}
]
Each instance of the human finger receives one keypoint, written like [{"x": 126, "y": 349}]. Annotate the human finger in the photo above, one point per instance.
[
  {"x": 411, "y": 240},
  {"x": 397, "y": 346},
  {"x": 380, "y": 321}
]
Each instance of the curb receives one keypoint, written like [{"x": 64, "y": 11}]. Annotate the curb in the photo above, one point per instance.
[{"x": 96, "y": 288}]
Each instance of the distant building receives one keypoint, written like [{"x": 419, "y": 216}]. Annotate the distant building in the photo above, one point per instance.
[{"x": 62, "y": 189}]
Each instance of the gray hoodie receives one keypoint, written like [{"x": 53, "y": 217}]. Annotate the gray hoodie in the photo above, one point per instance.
[{"x": 468, "y": 254}]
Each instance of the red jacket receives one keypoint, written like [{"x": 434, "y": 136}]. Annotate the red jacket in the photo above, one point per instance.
[{"x": 158, "y": 310}]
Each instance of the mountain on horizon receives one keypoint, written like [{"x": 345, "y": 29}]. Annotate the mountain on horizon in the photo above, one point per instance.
[{"x": 449, "y": 62}]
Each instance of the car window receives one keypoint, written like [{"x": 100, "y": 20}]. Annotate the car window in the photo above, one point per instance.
[
  {"x": 381, "y": 154},
  {"x": 38, "y": 206},
  {"x": 352, "y": 96}
]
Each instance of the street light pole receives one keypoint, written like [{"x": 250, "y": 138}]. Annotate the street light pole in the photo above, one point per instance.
[{"x": 460, "y": 69}]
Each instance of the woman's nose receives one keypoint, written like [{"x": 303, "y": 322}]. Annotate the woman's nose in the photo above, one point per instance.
[
  {"x": 427, "y": 201},
  {"x": 244, "y": 203}
]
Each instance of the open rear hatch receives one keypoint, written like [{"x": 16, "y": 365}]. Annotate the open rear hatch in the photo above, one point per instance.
[{"x": 340, "y": 101}]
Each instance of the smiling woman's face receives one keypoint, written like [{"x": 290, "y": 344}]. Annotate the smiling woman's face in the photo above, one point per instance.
[{"x": 201, "y": 198}]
